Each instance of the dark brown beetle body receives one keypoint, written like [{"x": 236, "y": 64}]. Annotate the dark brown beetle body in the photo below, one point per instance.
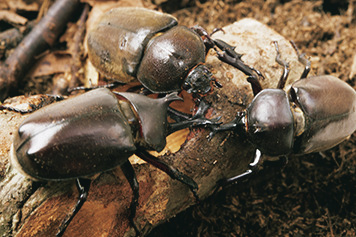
[
  {"x": 131, "y": 44},
  {"x": 46, "y": 145},
  {"x": 317, "y": 112},
  {"x": 95, "y": 132},
  {"x": 329, "y": 107}
]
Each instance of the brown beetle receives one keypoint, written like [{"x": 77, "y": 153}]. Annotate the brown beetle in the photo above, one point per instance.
[
  {"x": 130, "y": 44},
  {"x": 95, "y": 132},
  {"x": 316, "y": 114}
]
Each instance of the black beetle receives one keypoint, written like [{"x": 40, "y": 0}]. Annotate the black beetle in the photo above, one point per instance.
[
  {"x": 130, "y": 44},
  {"x": 317, "y": 113},
  {"x": 94, "y": 132}
]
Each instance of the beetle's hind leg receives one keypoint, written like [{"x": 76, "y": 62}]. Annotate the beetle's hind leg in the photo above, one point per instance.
[
  {"x": 303, "y": 60},
  {"x": 83, "y": 186},
  {"x": 130, "y": 175}
]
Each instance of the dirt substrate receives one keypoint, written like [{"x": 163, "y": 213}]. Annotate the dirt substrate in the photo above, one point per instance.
[{"x": 313, "y": 195}]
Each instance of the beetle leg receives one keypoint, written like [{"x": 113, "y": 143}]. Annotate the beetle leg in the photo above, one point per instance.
[
  {"x": 83, "y": 189},
  {"x": 180, "y": 116},
  {"x": 280, "y": 61},
  {"x": 237, "y": 123},
  {"x": 177, "y": 115},
  {"x": 130, "y": 175},
  {"x": 198, "y": 120},
  {"x": 303, "y": 60},
  {"x": 170, "y": 170},
  {"x": 229, "y": 56},
  {"x": 252, "y": 168}
]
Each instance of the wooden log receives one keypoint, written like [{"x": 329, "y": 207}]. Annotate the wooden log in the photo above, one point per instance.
[
  {"x": 31, "y": 209},
  {"x": 41, "y": 37}
]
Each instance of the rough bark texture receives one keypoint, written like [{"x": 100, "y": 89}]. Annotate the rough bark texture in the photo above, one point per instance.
[
  {"x": 43, "y": 35},
  {"x": 32, "y": 209}
]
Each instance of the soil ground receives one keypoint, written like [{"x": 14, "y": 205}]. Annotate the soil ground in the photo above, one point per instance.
[{"x": 313, "y": 195}]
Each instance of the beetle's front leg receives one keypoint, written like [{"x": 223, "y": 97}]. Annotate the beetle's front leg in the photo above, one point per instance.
[
  {"x": 229, "y": 56},
  {"x": 83, "y": 189},
  {"x": 197, "y": 120},
  {"x": 237, "y": 124}
]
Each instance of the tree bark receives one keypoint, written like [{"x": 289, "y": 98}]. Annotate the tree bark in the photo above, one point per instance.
[{"x": 31, "y": 209}]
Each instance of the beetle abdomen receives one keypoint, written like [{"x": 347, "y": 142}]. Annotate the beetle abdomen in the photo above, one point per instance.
[
  {"x": 329, "y": 105},
  {"x": 116, "y": 45},
  {"x": 77, "y": 137}
]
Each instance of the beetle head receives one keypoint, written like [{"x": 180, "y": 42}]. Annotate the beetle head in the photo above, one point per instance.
[
  {"x": 270, "y": 122},
  {"x": 152, "y": 114},
  {"x": 198, "y": 80}
]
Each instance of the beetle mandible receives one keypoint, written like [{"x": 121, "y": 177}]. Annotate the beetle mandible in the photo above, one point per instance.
[
  {"x": 317, "y": 113},
  {"x": 130, "y": 44},
  {"x": 94, "y": 132}
]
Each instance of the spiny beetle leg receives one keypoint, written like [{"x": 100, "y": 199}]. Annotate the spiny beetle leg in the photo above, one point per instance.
[
  {"x": 170, "y": 170},
  {"x": 83, "y": 186},
  {"x": 229, "y": 56}
]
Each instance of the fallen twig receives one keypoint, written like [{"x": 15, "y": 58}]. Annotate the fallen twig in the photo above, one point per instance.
[{"x": 43, "y": 36}]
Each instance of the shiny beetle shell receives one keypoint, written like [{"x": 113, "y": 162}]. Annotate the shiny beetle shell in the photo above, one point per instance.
[
  {"x": 88, "y": 134},
  {"x": 130, "y": 43},
  {"x": 329, "y": 107},
  {"x": 270, "y": 122}
]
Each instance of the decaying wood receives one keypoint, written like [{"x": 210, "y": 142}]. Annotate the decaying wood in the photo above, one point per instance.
[
  {"x": 78, "y": 41},
  {"x": 29, "y": 209},
  {"x": 43, "y": 35}
]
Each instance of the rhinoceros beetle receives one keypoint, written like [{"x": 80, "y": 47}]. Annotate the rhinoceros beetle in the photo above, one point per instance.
[
  {"x": 130, "y": 44},
  {"x": 95, "y": 132},
  {"x": 317, "y": 113}
]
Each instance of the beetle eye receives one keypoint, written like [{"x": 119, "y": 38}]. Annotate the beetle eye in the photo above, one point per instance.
[{"x": 186, "y": 86}]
